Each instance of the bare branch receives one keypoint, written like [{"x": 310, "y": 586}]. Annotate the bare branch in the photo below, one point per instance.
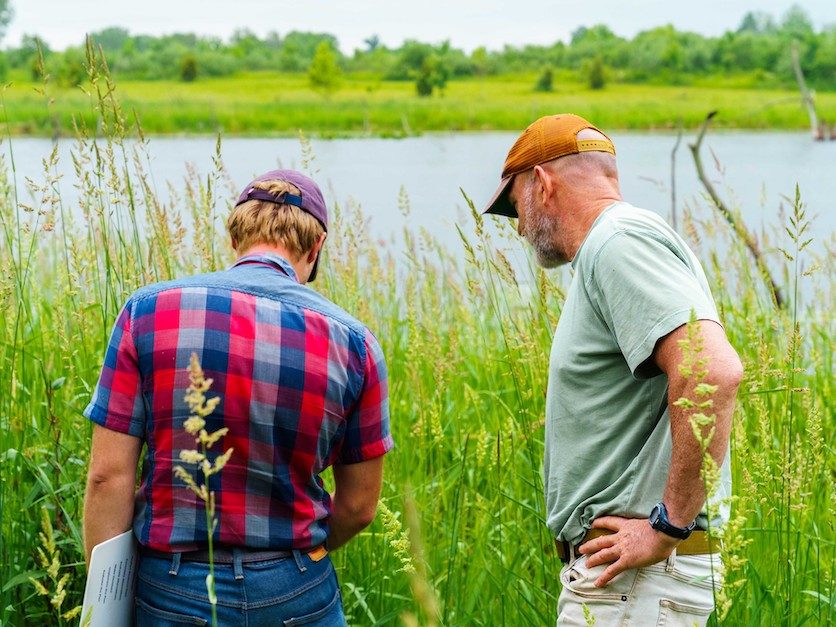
[
  {"x": 806, "y": 95},
  {"x": 673, "y": 174},
  {"x": 733, "y": 219}
]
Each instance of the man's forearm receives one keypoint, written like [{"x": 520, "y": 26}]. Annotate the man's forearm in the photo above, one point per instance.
[
  {"x": 685, "y": 491},
  {"x": 344, "y": 524},
  {"x": 108, "y": 510},
  {"x": 354, "y": 502}
]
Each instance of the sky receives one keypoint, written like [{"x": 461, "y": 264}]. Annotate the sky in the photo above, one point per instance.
[{"x": 466, "y": 23}]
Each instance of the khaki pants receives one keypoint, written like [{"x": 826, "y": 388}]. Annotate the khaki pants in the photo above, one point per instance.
[{"x": 677, "y": 591}]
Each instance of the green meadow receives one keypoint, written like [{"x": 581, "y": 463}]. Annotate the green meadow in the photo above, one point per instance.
[
  {"x": 269, "y": 103},
  {"x": 460, "y": 537}
]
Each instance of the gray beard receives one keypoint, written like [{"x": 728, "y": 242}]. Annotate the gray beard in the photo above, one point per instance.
[{"x": 541, "y": 232}]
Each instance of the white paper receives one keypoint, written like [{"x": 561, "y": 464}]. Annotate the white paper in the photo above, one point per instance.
[{"x": 109, "y": 594}]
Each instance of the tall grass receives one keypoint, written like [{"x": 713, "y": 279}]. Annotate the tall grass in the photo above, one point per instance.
[{"x": 467, "y": 346}]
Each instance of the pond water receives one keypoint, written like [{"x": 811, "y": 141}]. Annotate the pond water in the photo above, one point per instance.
[{"x": 757, "y": 170}]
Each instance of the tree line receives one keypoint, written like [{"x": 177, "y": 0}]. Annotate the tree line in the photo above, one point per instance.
[{"x": 760, "y": 47}]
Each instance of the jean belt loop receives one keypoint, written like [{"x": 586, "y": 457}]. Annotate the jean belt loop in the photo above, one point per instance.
[
  {"x": 237, "y": 563},
  {"x": 175, "y": 564},
  {"x": 297, "y": 555},
  {"x": 671, "y": 561}
]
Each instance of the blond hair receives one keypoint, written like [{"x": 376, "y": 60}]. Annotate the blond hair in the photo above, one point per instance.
[{"x": 262, "y": 222}]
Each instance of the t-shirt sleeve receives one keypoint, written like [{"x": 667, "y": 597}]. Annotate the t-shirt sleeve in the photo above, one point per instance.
[
  {"x": 117, "y": 401},
  {"x": 644, "y": 290},
  {"x": 367, "y": 432}
]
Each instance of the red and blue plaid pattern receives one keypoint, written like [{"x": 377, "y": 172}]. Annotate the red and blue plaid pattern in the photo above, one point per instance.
[{"x": 302, "y": 384}]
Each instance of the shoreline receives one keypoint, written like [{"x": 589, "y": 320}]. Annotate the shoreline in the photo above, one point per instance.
[{"x": 328, "y": 136}]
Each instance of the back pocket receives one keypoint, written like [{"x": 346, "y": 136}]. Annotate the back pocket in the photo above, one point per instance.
[
  {"x": 672, "y": 614},
  {"x": 150, "y": 616},
  {"x": 328, "y": 616}
]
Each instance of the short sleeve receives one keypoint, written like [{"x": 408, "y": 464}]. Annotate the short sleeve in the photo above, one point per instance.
[
  {"x": 367, "y": 432},
  {"x": 644, "y": 290},
  {"x": 117, "y": 402}
]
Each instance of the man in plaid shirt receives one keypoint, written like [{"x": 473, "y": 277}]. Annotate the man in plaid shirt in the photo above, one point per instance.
[{"x": 302, "y": 386}]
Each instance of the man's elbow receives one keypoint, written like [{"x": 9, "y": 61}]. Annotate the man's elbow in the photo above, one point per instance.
[
  {"x": 727, "y": 373},
  {"x": 104, "y": 477},
  {"x": 364, "y": 514},
  {"x": 359, "y": 514}
]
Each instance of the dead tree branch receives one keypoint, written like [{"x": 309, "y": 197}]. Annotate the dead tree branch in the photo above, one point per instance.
[
  {"x": 732, "y": 218},
  {"x": 673, "y": 174},
  {"x": 806, "y": 94}
]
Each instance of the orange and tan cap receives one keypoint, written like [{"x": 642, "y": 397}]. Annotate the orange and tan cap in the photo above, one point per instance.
[{"x": 548, "y": 138}]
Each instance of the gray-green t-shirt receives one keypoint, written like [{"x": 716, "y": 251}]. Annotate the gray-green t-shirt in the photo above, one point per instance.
[{"x": 608, "y": 442}]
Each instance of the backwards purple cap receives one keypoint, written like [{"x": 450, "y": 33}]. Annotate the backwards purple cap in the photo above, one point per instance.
[{"x": 310, "y": 199}]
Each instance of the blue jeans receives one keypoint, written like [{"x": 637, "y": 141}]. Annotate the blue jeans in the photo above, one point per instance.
[{"x": 293, "y": 590}]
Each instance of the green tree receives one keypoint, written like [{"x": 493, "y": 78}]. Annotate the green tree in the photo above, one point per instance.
[
  {"x": 299, "y": 48},
  {"x": 432, "y": 75},
  {"x": 111, "y": 39},
  {"x": 544, "y": 83},
  {"x": 424, "y": 82},
  {"x": 595, "y": 76},
  {"x": 823, "y": 69},
  {"x": 481, "y": 61},
  {"x": 587, "y": 43},
  {"x": 324, "y": 73},
  {"x": 188, "y": 68},
  {"x": 410, "y": 60},
  {"x": 756, "y": 22},
  {"x": 244, "y": 42},
  {"x": 796, "y": 23},
  {"x": 68, "y": 67}
]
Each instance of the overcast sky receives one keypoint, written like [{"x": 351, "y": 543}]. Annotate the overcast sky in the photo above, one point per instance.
[{"x": 466, "y": 23}]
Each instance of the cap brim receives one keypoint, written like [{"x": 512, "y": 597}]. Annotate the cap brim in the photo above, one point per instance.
[{"x": 499, "y": 203}]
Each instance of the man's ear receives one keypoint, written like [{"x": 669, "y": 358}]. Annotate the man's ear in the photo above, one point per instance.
[
  {"x": 234, "y": 244},
  {"x": 317, "y": 247},
  {"x": 544, "y": 184}
]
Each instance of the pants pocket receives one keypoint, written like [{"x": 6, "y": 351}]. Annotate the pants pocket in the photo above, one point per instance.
[
  {"x": 150, "y": 616},
  {"x": 580, "y": 580},
  {"x": 328, "y": 616},
  {"x": 702, "y": 571},
  {"x": 673, "y": 614}
]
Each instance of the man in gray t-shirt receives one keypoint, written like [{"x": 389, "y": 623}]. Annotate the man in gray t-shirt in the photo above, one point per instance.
[{"x": 624, "y": 494}]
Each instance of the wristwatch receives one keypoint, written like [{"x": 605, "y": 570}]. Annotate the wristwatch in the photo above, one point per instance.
[{"x": 659, "y": 520}]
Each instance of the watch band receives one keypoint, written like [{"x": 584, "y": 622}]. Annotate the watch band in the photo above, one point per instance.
[{"x": 659, "y": 520}]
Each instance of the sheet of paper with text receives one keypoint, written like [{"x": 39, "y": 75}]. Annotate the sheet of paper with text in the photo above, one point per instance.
[{"x": 109, "y": 594}]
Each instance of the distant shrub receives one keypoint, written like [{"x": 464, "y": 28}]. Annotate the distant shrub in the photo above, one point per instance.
[
  {"x": 188, "y": 68},
  {"x": 432, "y": 75},
  {"x": 324, "y": 73},
  {"x": 424, "y": 85},
  {"x": 596, "y": 77},
  {"x": 67, "y": 68},
  {"x": 214, "y": 63},
  {"x": 544, "y": 82}
]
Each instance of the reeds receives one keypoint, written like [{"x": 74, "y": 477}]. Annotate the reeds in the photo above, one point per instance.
[{"x": 466, "y": 335}]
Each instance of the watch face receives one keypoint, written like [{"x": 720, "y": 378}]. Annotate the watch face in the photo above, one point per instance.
[{"x": 655, "y": 514}]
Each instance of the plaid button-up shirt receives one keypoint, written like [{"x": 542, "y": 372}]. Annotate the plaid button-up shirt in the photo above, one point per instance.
[{"x": 302, "y": 386}]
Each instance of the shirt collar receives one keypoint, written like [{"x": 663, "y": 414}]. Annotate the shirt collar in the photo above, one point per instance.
[
  {"x": 591, "y": 228},
  {"x": 268, "y": 259}
]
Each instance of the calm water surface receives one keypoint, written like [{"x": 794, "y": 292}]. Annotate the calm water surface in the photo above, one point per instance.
[{"x": 757, "y": 171}]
